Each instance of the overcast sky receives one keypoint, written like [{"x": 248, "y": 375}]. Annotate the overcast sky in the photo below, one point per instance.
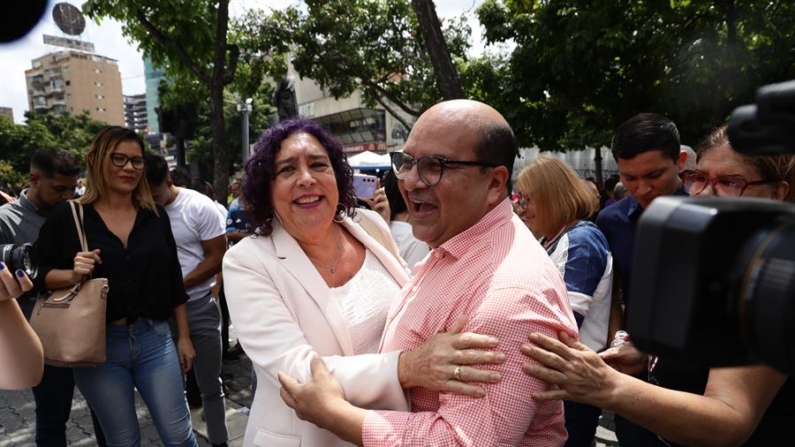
[{"x": 16, "y": 57}]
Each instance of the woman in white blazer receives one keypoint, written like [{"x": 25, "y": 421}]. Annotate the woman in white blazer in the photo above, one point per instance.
[{"x": 316, "y": 279}]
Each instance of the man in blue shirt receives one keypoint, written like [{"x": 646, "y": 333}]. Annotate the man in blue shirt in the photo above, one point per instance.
[{"x": 646, "y": 149}]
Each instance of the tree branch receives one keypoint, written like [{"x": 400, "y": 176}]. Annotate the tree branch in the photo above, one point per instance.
[
  {"x": 168, "y": 42},
  {"x": 393, "y": 113},
  {"x": 383, "y": 92}
]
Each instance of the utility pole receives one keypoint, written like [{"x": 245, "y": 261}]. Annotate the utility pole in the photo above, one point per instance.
[{"x": 245, "y": 109}]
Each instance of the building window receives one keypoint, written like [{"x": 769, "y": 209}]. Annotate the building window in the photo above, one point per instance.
[{"x": 68, "y": 82}]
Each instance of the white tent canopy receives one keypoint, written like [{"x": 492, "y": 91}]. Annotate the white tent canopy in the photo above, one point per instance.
[{"x": 370, "y": 160}]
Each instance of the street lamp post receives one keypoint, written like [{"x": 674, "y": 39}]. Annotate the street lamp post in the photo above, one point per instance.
[{"x": 245, "y": 109}]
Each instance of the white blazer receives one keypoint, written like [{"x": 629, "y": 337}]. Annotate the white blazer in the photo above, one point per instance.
[{"x": 284, "y": 316}]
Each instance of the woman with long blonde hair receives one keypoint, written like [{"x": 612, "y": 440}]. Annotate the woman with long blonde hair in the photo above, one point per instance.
[{"x": 130, "y": 243}]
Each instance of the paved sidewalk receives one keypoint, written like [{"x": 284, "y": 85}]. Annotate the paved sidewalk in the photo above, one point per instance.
[{"x": 17, "y": 415}]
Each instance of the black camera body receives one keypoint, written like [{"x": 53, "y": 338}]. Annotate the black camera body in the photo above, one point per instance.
[
  {"x": 716, "y": 282},
  {"x": 714, "y": 279}
]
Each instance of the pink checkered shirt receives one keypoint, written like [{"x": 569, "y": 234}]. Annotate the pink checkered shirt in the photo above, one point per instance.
[{"x": 498, "y": 275}]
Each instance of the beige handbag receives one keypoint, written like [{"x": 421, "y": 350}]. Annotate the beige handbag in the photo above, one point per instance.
[{"x": 71, "y": 322}]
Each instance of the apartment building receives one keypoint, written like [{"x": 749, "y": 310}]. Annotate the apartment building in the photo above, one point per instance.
[
  {"x": 70, "y": 81},
  {"x": 135, "y": 116}
]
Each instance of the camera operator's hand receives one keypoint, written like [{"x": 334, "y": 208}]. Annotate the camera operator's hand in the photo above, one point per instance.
[
  {"x": 85, "y": 261},
  {"x": 13, "y": 284},
  {"x": 626, "y": 359},
  {"x": 577, "y": 370}
]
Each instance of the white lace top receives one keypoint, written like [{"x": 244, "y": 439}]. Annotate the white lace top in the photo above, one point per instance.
[{"x": 364, "y": 301}]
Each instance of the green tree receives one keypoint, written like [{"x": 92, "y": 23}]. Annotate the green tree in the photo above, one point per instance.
[
  {"x": 10, "y": 178},
  {"x": 192, "y": 41},
  {"x": 18, "y": 142},
  {"x": 71, "y": 132},
  {"x": 581, "y": 67},
  {"x": 377, "y": 49}
]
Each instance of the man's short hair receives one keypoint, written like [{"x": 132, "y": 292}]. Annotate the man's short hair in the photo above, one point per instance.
[
  {"x": 51, "y": 161},
  {"x": 497, "y": 145},
  {"x": 611, "y": 183},
  {"x": 156, "y": 168},
  {"x": 646, "y": 132},
  {"x": 181, "y": 177}
]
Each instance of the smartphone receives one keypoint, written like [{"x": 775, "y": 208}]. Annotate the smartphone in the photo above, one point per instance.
[{"x": 365, "y": 185}]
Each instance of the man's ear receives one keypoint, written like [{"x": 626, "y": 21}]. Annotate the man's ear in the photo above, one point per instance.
[
  {"x": 681, "y": 161},
  {"x": 497, "y": 186},
  {"x": 33, "y": 178}
]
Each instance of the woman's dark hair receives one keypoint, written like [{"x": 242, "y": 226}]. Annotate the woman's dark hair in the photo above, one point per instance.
[
  {"x": 396, "y": 203},
  {"x": 260, "y": 170}
]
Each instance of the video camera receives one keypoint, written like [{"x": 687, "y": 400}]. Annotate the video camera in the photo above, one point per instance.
[
  {"x": 19, "y": 257},
  {"x": 714, "y": 280}
]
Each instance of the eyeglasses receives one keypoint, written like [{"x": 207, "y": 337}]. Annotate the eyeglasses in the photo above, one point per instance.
[
  {"x": 522, "y": 201},
  {"x": 725, "y": 186},
  {"x": 429, "y": 168},
  {"x": 121, "y": 160}
]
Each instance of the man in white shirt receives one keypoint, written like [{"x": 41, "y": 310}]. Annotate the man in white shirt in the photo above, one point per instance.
[{"x": 199, "y": 231}]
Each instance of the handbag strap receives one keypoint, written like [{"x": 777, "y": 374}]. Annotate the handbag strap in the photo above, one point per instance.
[{"x": 77, "y": 214}]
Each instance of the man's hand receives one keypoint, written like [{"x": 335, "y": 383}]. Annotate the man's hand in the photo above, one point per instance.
[
  {"x": 440, "y": 363},
  {"x": 314, "y": 401}
]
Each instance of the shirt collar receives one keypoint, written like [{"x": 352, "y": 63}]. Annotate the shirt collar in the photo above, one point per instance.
[
  {"x": 26, "y": 203},
  {"x": 634, "y": 210},
  {"x": 462, "y": 243}
]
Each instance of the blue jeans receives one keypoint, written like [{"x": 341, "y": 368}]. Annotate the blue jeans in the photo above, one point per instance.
[{"x": 139, "y": 356}]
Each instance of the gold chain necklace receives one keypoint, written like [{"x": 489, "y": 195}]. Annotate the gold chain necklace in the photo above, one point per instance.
[{"x": 333, "y": 265}]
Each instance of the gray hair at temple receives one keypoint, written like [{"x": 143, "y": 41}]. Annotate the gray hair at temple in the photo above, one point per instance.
[{"x": 690, "y": 161}]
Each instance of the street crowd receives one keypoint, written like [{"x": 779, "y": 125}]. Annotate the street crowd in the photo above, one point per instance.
[{"x": 456, "y": 306}]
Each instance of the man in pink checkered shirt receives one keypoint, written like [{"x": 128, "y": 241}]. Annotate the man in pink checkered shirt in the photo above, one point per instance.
[{"x": 454, "y": 174}]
